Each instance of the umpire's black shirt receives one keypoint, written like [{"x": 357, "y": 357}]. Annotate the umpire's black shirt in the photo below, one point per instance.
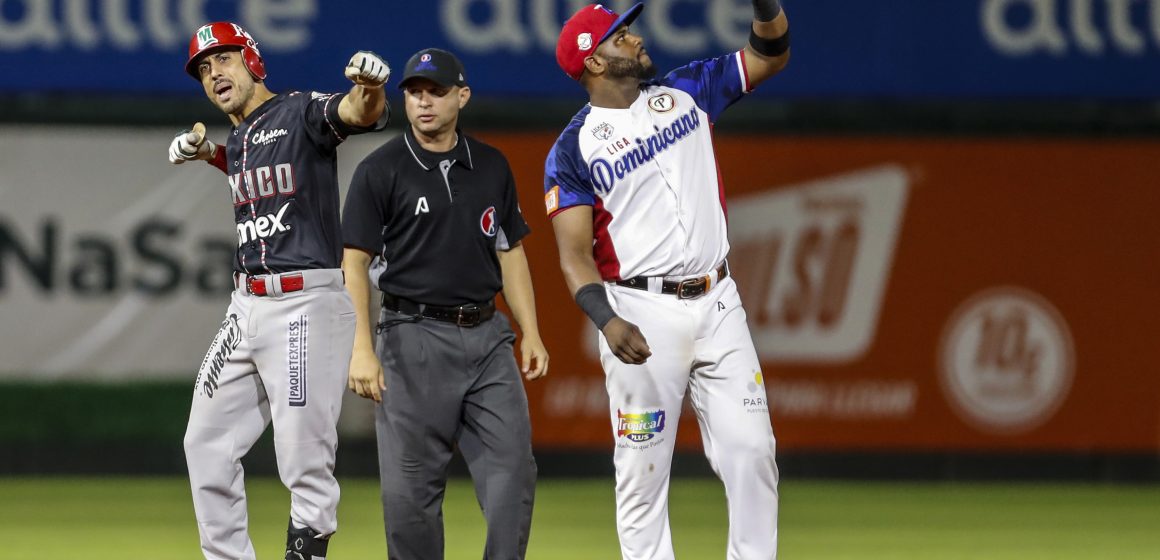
[{"x": 437, "y": 218}]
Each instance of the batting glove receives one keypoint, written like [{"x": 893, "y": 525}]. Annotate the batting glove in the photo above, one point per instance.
[
  {"x": 367, "y": 69},
  {"x": 188, "y": 146}
]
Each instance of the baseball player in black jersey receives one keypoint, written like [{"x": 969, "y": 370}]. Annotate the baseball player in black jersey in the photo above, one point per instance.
[
  {"x": 283, "y": 350},
  {"x": 440, "y": 208}
]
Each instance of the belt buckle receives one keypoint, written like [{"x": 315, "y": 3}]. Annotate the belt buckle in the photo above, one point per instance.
[
  {"x": 461, "y": 322},
  {"x": 690, "y": 284}
]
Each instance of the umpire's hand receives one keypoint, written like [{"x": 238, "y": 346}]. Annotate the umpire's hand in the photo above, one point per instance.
[
  {"x": 626, "y": 341},
  {"x": 366, "y": 376},
  {"x": 534, "y": 357}
]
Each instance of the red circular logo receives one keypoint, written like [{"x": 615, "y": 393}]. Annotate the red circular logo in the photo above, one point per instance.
[{"x": 487, "y": 221}]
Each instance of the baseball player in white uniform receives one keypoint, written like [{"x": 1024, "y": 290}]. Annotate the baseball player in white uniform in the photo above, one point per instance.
[{"x": 636, "y": 201}]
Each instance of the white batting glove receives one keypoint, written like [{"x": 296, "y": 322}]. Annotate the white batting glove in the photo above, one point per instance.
[
  {"x": 367, "y": 69},
  {"x": 190, "y": 145}
]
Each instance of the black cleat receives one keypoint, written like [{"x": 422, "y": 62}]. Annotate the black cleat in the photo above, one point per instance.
[{"x": 304, "y": 544}]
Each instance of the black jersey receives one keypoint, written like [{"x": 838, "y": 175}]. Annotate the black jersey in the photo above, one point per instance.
[
  {"x": 282, "y": 166},
  {"x": 436, "y": 219}
]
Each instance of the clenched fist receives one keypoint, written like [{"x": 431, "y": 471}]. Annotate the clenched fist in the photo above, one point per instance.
[
  {"x": 367, "y": 69},
  {"x": 189, "y": 145}
]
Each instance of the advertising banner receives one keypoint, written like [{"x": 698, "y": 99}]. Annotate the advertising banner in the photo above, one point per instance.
[
  {"x": 114, "y": 263},
  {"x": 915, "y": 294},
  {"x": 841, "y": 48}
]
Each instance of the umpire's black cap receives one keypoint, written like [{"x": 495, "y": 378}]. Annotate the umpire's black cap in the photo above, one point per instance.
[{"x": 436, "y": 65}]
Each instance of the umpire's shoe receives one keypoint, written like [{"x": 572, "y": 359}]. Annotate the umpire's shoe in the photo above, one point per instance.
[{"x": 304, "y": 544}]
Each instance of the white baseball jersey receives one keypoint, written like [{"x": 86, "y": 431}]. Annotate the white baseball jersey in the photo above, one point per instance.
[{"x": 650, "y": 173}]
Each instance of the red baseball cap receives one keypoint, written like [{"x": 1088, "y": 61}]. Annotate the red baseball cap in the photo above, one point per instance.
[{"x": 584, "y": 31}]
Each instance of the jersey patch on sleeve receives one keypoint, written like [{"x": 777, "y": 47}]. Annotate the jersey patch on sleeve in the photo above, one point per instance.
[{"x": 552, "y": 199}]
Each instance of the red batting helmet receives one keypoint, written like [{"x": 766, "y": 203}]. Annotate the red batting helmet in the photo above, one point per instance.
[{"x": 222, "y": 35}]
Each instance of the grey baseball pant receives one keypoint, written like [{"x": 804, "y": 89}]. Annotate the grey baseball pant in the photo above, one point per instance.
[
  {"x": 280, "y": 358},
  {"x": 446, "y": 386}
]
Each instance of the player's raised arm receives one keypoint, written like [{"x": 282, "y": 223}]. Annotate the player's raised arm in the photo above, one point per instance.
[
  {"x": 366, "y": 102},
  {"x": 767, "y": 52},
  {"x": 573, "y": 227}
]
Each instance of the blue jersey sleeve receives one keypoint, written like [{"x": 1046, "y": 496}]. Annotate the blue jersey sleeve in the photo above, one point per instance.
[
  {"x": 566, "y": 181},
  {"x": 715, "y": 83}
]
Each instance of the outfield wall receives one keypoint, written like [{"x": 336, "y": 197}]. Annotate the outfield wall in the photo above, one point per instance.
[{"x": 905, "y": 294}]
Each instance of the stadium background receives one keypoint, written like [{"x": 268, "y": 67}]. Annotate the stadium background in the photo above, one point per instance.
[{"x": 942, "y": 219}]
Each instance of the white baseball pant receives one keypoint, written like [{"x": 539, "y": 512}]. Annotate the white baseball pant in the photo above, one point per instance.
[{"x": 703, "y": 344}]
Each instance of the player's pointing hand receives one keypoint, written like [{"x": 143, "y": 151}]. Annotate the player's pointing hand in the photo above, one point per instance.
[
  {"x": 626, "y": 341},
  {"x": 189, "y": 145}
]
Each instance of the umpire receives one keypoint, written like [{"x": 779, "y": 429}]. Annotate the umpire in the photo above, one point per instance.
[{"x": 442, "y": 208}]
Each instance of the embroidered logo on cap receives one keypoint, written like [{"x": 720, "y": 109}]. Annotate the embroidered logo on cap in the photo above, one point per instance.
[{"x": 425, "y": 62}]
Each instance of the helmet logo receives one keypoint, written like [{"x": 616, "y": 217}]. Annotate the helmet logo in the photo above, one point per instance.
[
  {"x": 205, "y": 37},
  {"x": 250, "y": 42}
]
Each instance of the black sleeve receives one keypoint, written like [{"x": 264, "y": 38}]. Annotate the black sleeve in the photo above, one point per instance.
[
  {"x": 325, "y": 127},
  {"x": 512, "y": 224},
  {"x": 363, "y": 213}
]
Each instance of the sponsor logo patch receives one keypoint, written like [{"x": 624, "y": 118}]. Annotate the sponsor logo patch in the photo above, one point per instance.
[
  {"x": 552, "y": 199},
  {"x": 263, "y": 227},
  {"x": 662, "y": 103},
  {"x": 756, "y": 402},
  {"x": 635, "y": 429},
  {"x": 227, "y": 340},
  {"x": 266, "y": 137},
  {"x": 296, "y": 337}
]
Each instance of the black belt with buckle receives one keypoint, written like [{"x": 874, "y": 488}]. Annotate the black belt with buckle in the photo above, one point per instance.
[
  {"x": 683, "y": 289},
  {"x": 470, "y": 315}
]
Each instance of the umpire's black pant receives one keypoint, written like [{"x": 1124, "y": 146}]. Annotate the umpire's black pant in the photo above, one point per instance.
[{"x": 449, "y": 385}]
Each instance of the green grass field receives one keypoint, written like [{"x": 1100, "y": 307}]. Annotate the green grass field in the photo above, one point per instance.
[{"x": 151, "y": 519}]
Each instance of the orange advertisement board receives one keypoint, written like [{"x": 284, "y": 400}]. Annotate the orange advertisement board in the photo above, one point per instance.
[{"x": 911, "y": 294}]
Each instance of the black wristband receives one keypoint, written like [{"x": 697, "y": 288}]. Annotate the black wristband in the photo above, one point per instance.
[
  {"x": 594, "y": 301},
  {"x": 766, "y": 10},
  {"x": 769, "y": 47}
]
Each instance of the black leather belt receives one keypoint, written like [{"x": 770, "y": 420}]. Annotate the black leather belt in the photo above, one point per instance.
[
  {"x": 471, "y": 315},
  {"x": 683, "y": 289}
]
